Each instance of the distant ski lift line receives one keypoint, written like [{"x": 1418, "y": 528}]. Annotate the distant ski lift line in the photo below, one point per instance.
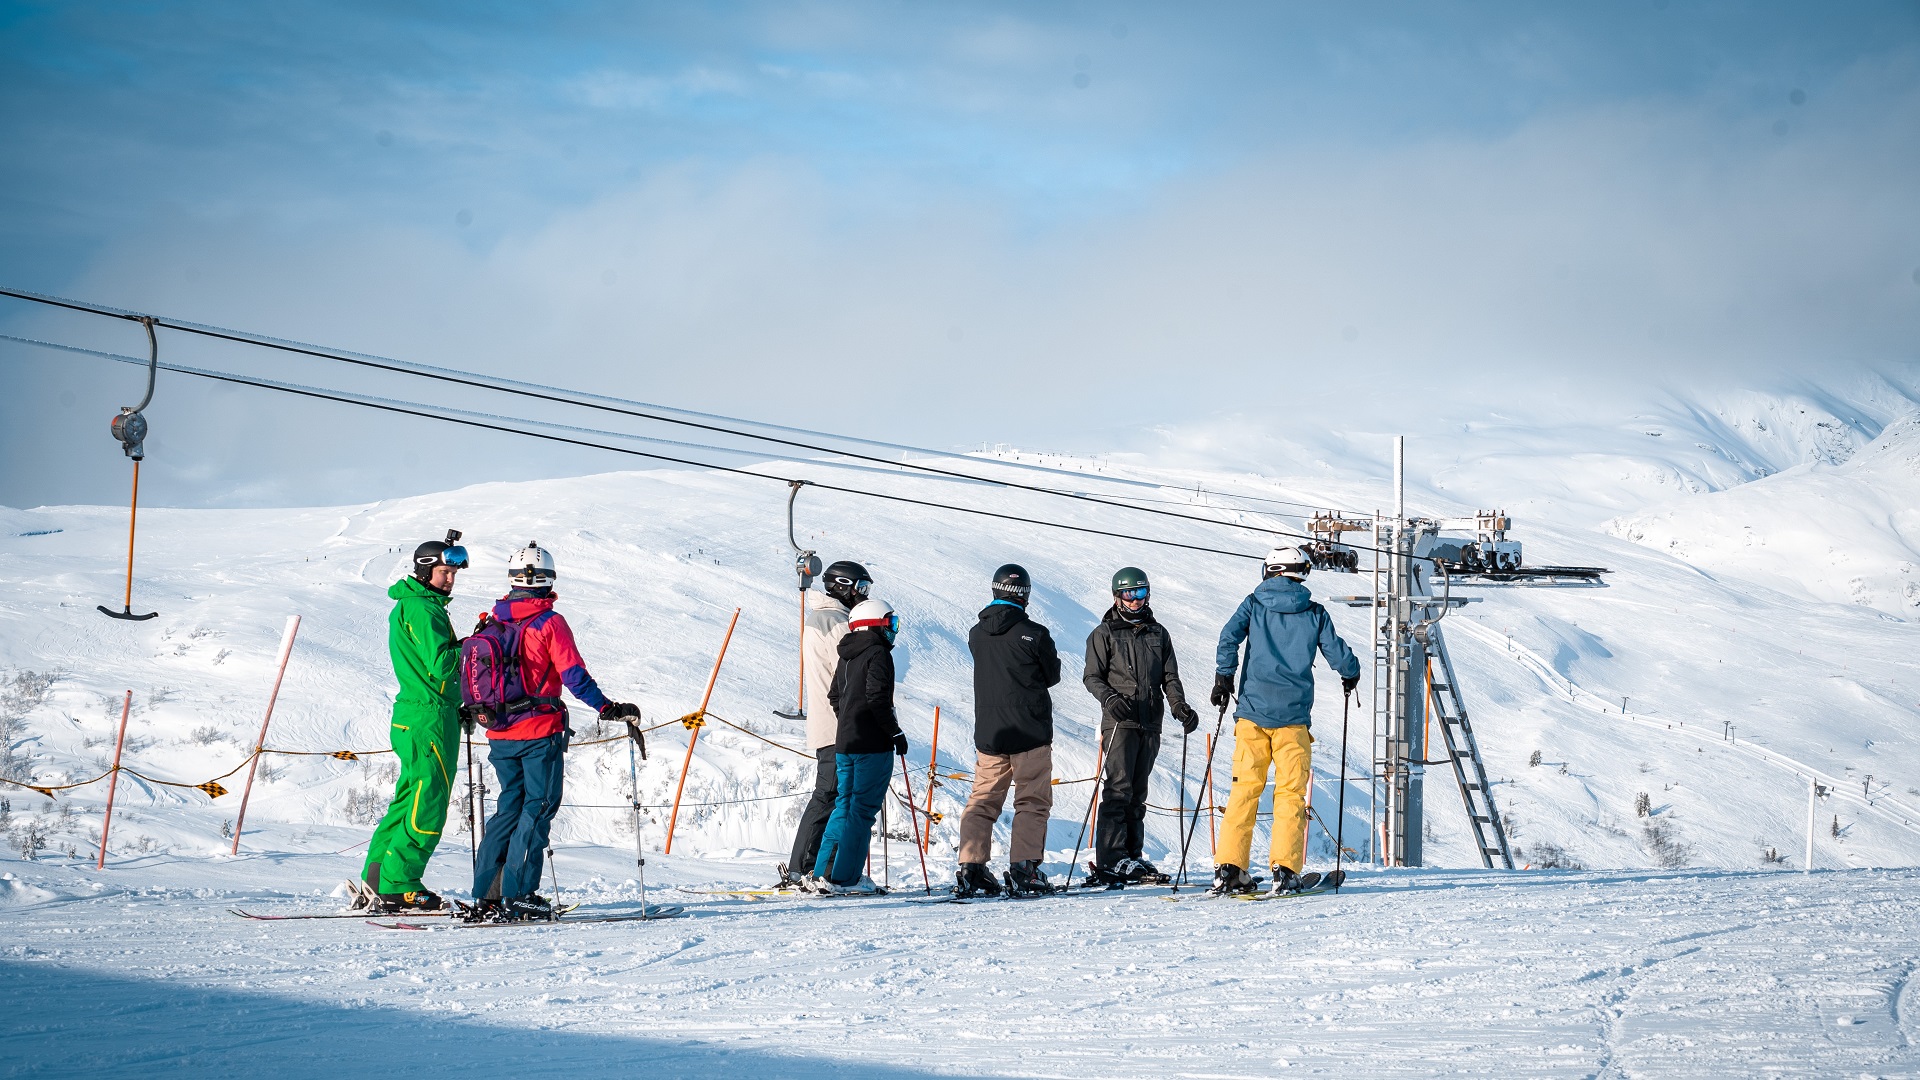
[
  {"x": 355, "y": 398},
  {"x": 561, "y": 395},
  {"x": 424, "y": 413}
]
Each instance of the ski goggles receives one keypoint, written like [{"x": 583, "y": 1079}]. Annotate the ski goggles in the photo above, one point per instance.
[
  {"x": 455, "y": 557},
  {"x": 891, "y": 624},
  {"x": 858, "y": 585},
  {"x": 1132, "y": 594}
]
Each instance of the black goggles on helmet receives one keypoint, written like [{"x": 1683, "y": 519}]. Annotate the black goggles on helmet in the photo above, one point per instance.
[
  {"x": 1139, "y": 593},
  {"x": 859, "y": 586}
]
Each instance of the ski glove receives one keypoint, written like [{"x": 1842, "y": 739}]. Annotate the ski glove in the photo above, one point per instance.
[
  {"x": 1348, "y": 683},
  {"x": 900, "y": 744},
  {"x": 1222, "y": 691},
  {"x": 1184, "y": 713},
  {"x": 1118, "y": 710},
  {"x": 619, "y": 710},
  {"x": 466, "y": 720}
]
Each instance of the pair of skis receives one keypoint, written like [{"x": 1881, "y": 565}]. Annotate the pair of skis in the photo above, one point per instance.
[{"x": 652, "y": 912}]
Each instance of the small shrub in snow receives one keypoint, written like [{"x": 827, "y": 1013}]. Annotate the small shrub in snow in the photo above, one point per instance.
[
  {"x": 366, "y": 806},
  {"x": 1642, "y": 805},
  {"x": 29, "y": 839},
  {"x": 1534, "y": 761},
  {"x": 1664, "y": 846},
  {"x": 1546, "y": 856},
  {"x": 206, "y": 735},
  {"x": 1771, "y": 856}
]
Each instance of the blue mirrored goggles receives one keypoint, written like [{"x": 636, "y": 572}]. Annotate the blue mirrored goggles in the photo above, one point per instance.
[
  {"x": 455, "y": 557},
  {"x": 893, "y": 624},
  {"x": 1132, "y": 594}
]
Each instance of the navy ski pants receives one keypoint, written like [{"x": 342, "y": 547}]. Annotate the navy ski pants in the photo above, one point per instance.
[
  {"x": 863, "y": 780},
  {"x": 531, "y": 773}
]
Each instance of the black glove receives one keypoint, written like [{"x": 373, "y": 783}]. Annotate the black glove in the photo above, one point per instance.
[
  {"x": 1348, "y": 683},
  {"x": 1222, "y": 695},
  {"x": 466, "y": 720},
  {"x": 619, "y": 710},
  {"x": 1117, "y": 710},
  {"x": 1184, "y": 713},
  {"x": 900, "y": 744}
]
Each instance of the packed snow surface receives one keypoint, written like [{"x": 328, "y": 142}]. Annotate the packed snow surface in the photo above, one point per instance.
[
  {"x": 1405, "y": 973},
  {"x": 1652, "y": 743}
]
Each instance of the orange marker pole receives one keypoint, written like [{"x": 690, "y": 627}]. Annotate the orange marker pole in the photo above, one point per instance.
[
  {"x": 694, "y": 723},
  {"x": 260, "y": 745},
  {"x": 113, "y": 781},
  {"x": 933, "y": 756}
]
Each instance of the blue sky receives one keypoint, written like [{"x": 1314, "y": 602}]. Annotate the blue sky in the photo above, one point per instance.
[{"x": 1126, "y": 212}]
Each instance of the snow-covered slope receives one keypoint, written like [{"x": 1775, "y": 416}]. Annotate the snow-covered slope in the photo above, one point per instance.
[
  {"x": 1844, "y": 531},
  {"x": 1701, "y": 687},
  {"x": 653, "y": 564}
]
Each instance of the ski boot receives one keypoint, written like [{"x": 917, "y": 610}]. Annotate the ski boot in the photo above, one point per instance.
[
  {"x": 402, "y": 903},
  {"x": 816, "y": 886},
  {"x": 530, "y": 907},
  {"x": 790, "y": 880},
  {"x": 1285, "y": 882},
  {"x": 1141, "y": 872},
  {"x": 974, "y": 880},
  {"x": 864, "y": 887},
  {"x": 1106, "y": 877},
  {"x": 488, "y": 909},
  {"x": 1229, "y": 879},
  {"x": 1026, "y": 879}
]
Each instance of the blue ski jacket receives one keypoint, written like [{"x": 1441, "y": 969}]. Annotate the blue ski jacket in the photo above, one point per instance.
[{"x": 1282, "y": 626}]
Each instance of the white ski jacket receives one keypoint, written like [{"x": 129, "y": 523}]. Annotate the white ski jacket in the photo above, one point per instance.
[{"x": 826, "y": 625}]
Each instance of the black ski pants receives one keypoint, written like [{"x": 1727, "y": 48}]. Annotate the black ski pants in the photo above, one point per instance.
[
  {"x": 813, "y": 817},
  {"x": 1123, "y": 798}
]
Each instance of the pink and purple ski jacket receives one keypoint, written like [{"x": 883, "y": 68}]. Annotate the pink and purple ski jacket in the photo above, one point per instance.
[{"x": 548, "y": 660}]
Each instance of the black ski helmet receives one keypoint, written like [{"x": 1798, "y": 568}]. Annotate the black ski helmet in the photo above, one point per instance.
[
  {"x": 1011, "y": 582},
  {"x": 1128, "y": 578},
  {"x": 434, "y": 553},
  {"x": 847, "y": 581}
]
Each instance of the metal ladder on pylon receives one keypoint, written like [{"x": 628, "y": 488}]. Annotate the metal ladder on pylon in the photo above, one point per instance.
[{"x": 1463, "y": 752}]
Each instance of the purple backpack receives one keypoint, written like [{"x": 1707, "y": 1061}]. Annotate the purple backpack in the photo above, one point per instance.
[{"x": 490, "y": 684}]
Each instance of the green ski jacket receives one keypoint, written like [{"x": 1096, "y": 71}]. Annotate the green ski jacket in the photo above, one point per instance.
[{"x": 426, "y": 658}]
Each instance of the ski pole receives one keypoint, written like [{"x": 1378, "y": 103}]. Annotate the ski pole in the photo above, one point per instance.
[
  {"x": 1094, "y": 804},
  {"x": 1340, "y": 826},
  {"x": 1208, "y": 771},
  {"x": 919, "y": 840},
  {"x": 634, "y": 738},
  {"x": 553, "y": 870},
  {"x": 473, "y": 827},
  {"x": 1181, "y": 826},
  {"x": 886, "y": 856}
]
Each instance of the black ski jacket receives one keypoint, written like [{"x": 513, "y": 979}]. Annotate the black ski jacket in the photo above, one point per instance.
[
  {"x": 1133, "y": 661},
  {"x": 862, "y": 694},
  {"x": 1014, "y": 662}
]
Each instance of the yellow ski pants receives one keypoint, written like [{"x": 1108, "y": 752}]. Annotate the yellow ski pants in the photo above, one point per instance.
[{"x": 1288, "y": 752}]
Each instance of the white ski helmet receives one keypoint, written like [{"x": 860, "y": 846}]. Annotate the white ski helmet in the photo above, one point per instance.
[
  {"x": 531, "y": 567},
  {"x": 1288, "y": 562},
  {"x": 874, "y": 615}
]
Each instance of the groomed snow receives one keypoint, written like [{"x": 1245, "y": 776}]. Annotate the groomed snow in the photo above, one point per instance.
[{"x": 1549, "y": 974}]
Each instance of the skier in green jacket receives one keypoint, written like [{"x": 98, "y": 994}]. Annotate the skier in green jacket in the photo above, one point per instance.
[{"x": 426, "y": 730}]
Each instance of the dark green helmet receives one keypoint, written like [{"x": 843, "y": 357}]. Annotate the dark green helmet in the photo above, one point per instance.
[{"x": 1129, "y": 578}]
